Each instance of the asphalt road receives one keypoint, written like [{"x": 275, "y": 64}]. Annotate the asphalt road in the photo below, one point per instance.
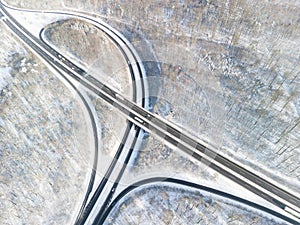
[
  {"x": 137, "y": 75},
  {"x": 162, "y": 180},
  {"x": 164, "y": 129}
]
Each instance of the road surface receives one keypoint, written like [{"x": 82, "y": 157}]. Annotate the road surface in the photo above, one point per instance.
[{"x": 162, "y": 128}]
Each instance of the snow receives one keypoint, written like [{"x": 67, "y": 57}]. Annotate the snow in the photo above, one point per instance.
[
  {"x": 194, "y": 172},
  {"x": 4, "y": 77},
  {"x": 35, "y": 21},
  {"x": 220, "y": 183},
  {"x": 165, "y": 202}
]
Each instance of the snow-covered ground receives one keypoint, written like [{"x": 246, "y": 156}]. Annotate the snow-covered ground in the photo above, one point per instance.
[
  {"x": 43, "y": 161},
  {"x": 228, "y": 72},
  {"x": 169, "y": 204}
]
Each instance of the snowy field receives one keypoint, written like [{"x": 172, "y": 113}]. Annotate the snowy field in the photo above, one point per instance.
[{"x": 228, "y": 72}]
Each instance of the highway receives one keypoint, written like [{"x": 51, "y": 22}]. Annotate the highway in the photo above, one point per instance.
[
  {"x": 140, "y": 95},
  {"x": 163, "y": 129},
  {"x": 96, "y": 143},
  {"x": 127, "y": 145},
  {"x": 167, "y": 180}
]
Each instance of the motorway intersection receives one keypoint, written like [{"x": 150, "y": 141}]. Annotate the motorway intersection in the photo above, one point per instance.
[{"x": 96, "y": 205}]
